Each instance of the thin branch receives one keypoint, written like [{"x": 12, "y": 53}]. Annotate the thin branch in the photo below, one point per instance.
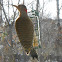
[
  {"x": 8, "y": 43},
  {"x": 4, "y": 13}
]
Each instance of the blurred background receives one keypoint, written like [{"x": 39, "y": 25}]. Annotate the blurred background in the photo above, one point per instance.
[{"x": 47, "y": 18}]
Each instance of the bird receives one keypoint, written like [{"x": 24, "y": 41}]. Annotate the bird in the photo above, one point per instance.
[
  {"x": 33, "y": 54},
  {"x": 24, "y": 28}
]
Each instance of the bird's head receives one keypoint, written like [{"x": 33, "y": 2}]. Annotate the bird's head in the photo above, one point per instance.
[{"x": 21, "y": 8}]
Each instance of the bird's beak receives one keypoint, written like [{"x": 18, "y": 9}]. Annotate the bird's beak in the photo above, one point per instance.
[{"x": 15, "y": 6}]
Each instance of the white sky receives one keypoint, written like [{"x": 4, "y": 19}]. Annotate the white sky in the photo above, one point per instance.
[{"x": 49, "y": 7}]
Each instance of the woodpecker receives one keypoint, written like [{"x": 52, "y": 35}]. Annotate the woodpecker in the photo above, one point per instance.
[{"x": 24, "y": 28}]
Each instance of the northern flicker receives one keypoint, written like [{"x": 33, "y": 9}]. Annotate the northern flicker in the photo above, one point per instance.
[{"x": 24, "y": 28}]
